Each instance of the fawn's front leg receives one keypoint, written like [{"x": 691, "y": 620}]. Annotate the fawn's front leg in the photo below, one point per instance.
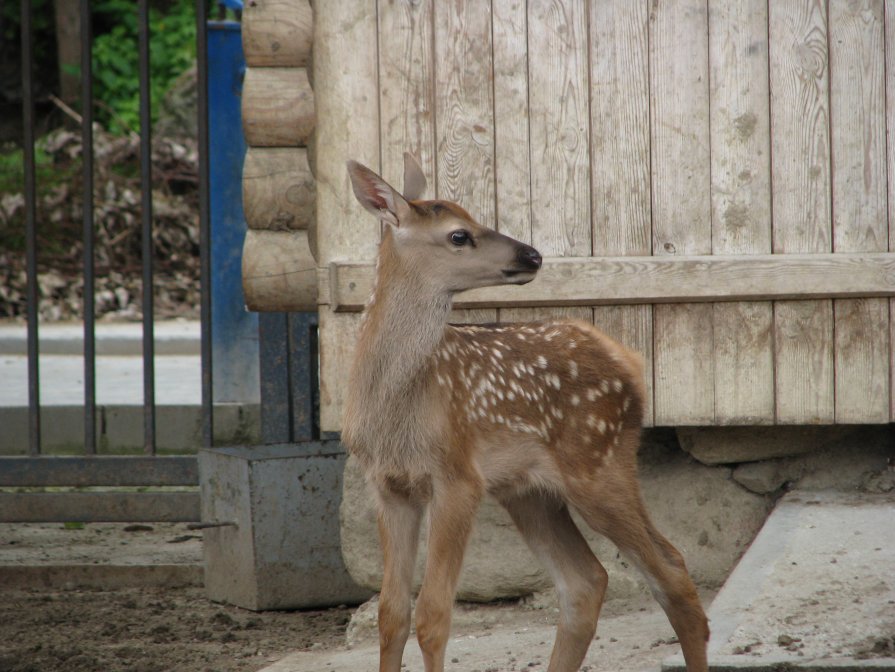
[
  {"x": 399, "y": 527},
  {"x": 451, "y": 515}
]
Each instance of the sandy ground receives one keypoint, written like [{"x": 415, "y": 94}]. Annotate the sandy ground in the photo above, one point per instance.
[
  {"x": 156, "y": 629},
  {"x": 151, "y": 630},
  {"x": 71, "y": 629}
]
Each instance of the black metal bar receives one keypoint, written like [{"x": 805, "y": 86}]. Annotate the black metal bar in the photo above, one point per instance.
[
  {"x": 89, "y": 305},
  {"x": 302, "y": 367},
  {"x": 30, "y": 232},
  {"x": 276, "y": 401},
  {"x": 204, "y": 223},
  {"x": 146, "y": 212},
  {"x": 117, "y": 471}
]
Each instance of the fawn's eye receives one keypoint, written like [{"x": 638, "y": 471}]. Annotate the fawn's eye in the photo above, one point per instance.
[{"x": 459, "y": 238}]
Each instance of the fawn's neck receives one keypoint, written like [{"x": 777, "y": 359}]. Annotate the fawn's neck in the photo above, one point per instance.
[{"x": 403, "y": 324}]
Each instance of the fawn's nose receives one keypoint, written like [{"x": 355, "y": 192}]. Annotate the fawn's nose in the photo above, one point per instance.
[{"x": 529, "y": 257}]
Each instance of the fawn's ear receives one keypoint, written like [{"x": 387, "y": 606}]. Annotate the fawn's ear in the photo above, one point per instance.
[
  {"x": 414, "y": 180},
  {"x": 376, "y": 195}
]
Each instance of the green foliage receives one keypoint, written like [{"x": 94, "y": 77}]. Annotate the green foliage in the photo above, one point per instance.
[{"x": 172, "y": 49}]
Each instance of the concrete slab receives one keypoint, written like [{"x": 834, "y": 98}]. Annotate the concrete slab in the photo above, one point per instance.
[
  {"x": 99, "y": 555},
  {"x": 172, "y": 337},
  {"x": 815, "y": 591},
  {"x": 119, "y": 380}
]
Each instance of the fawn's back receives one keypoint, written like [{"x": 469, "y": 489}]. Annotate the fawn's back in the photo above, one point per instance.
[{"x": 539, "y": 400}]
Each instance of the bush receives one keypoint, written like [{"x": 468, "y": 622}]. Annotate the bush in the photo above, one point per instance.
[{"x": 172, "y": 50}]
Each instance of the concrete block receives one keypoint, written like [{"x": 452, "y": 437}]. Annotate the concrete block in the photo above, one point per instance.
[
  {"x": 814, "y": 591},
  {"x": 498, "y": 564},
  {"x": 283, "y": 549},
  {"x": 725, "y": 445},
  {"x": 700, "y": 509}
]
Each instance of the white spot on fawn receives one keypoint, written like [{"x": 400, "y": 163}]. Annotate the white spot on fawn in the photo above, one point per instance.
[
  {"x": 617, "y": 385},
  {"x": 573, "y": 369},
  {"x": 601, "y": 426},
  {"x": 542, "y": 362},
  {"x": 575, "y": 400},
  {"x": 592, "y": 394}
]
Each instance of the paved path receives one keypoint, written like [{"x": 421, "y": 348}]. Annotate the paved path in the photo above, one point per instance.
[
  {"x": 119, "y": 364},
  {"x": 815, "y": 591}
]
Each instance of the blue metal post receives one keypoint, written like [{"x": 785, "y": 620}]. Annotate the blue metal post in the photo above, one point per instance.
[{"x": 234, "y": 330}]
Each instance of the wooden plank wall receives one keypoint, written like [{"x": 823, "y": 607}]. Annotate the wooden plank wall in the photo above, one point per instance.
[{"x": 594, "y": 129}]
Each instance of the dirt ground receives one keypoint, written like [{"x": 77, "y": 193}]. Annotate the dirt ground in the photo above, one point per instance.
[
  {"x": 155, "y": 629},
  {"x": 178, "y": 630},
  {"x": 136, "y": 629},
  {"x": 151, "y": 630}
]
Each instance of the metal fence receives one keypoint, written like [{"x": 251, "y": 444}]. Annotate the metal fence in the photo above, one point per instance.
[{"x": 90, "y": 469}]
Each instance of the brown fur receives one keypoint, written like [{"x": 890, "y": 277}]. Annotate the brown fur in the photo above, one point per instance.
[{"x": 545, "y": 416}]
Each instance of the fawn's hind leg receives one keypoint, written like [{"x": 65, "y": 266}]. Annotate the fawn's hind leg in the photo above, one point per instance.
[
  {"x": 616, "y": 510},
  {"x": 580, "y": 579}
]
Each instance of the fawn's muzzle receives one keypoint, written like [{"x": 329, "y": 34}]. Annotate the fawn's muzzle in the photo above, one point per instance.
[{"x": 529, "y": 257}]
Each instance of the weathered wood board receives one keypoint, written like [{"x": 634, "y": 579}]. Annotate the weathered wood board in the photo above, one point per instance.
[
  {"x": 347, "y": 127},
  {"x": 681, "y": 205},
  {"x": 741, "y": 205},
  {"x": 726, "y": 200},
  {"x": 620, "y": 160}
]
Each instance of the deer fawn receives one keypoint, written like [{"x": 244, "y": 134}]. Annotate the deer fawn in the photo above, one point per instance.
[{"x": 544, "y": 416}]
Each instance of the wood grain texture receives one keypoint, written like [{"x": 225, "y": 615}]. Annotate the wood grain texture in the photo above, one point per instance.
[
  {"x": 858, "y": 126},
  {"x": 279, "y": 273},
  {"x": 679, "y": 123},
  {"x": 464, "y": 114},
  {"x": 570, "y": 281},
  {"x": 512, "y": 167},
  {"x": 464, "y": 108},
  {"x": 800, "y": 142},
  {"x": 620, "y": 159},
  {"x": 277, "y": 188},
  {"x": 277, "y": 107},
  {"x": 744, "y": 363},
  {"x": 741, "y": 204},
  {"x": 890, "y": 147},
  {"x": 559, "y": 118},
  {"x": 620, "y": 127},
  {"x": 804, "y": 360},
  {"x": 801, "y": 196},
  {"x": 512, "y": 156},
  {"x": 862, "y": 360},
  {"x": 858, "y": 129},
  {"x": 407, "y": 88},
  {"x": 348, "y": 109},
  {"x": 277, "y": 33},
  {"x": 683, "y": 369},
  {"x": 681, "y": 204}
]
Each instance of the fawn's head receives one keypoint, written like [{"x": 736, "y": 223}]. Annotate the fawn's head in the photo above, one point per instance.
[{"x": 440, "y": 238}]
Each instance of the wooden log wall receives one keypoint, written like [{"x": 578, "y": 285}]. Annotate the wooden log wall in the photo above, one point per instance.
[
  {"x": 722, "y": 202},
  {"x": 278, "y": 267}
]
